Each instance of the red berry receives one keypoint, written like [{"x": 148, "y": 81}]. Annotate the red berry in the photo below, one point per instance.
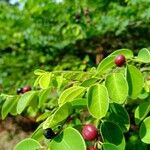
[
  {"x": 26, "y": 89},
  {"x": 92, "y": 148},
  {"x": 89, "y": 132},
  {"x": 120, "y": 60}
]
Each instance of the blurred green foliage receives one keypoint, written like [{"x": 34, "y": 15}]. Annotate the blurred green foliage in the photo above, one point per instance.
[{"x": 70, "y": 34}]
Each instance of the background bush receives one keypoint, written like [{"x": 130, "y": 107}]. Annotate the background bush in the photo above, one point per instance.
[{"x": 44, "y": 34}]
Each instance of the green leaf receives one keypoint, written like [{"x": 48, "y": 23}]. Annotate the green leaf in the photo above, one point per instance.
[
  {"x": 109, "y": 146},
  {"x": 44, "y": 80},
  {"x": 28, "y": 144},
  {"x": 135, "y": 81},
  {"x": 141, "y": 112},
  {"x": 39, "y": 72},
  {"x": 145, "y": 130},
  {"x": 38, "y": 133},
  {"x": 117, "y": 87},
  {"x": 144, "y": 55},
  {"x": 43, "y": 96},
  {"x": 98, "y": 100},
  {"x": 8, "y": 105},
  {"x": 79, "y": 103},
  {"x": 89, "y": 82},
  {"x": 106, "y": 65},
  {"x": 60, "y": 115},
  {"x": 70, "y": 94},
  {"x": 43, "y": 116},
  {"x": 36, "y": 82},
  {"x": 119, "y": 115},
  {"x": 111, "y": 133},
  {"x": 69, "y": 139},
  {"x": 147, "y": 86},
  {"x": 126, "y": 52},
  {"x": 24, "y": 101}
]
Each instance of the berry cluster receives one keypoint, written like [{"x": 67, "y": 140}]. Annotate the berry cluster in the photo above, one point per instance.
[
  {"x": 23, "y": 90},
  {"x": 89, "y": 133}
]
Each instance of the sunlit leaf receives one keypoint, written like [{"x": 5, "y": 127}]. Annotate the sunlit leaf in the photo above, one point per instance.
[
  {"x": 70, "y": 94},
  {"x": 145, "y": 130},
  {"x": 60, "y": 115},
  {"x": 141, "y": 112},
  {"x": 135, "y": 81},
  {"x": 24, "y": 101},
  {"x": 98, "y": 100},
  {"x": 27, "y": 144},
  {"x": 117, "y": 87},
  {"x": 69, "y": 139}
]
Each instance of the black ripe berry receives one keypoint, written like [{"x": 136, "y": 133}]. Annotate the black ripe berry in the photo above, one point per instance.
[
  {"x": 19, "y": 91},
  {"x": 89, "y": 132},
  {"x": 49, "y": 133},
  {"x": 26, "y": 89},
  {"x": 120, "y": 60},
  {"x": 91, "y": 148}
]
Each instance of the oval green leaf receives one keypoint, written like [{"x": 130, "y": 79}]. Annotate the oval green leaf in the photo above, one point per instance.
[
  {"x": 89, "y": 82},
  {"x": 119, "y": 115},
  {"x": 112, "y": 133},
  {"x": 39, "y": 72},
  {"x": 44, "y": 80},
  {"x": 43, "y": 96},
  {"x": 69, "y": 139},
  {"x": 144, "y": 55},
  {"x": 60, "y": 115},
  {"x": 43, "y": 116},
  {"x": 141, "y": 112},
  {"x": 117, "y": 87},
  {"x": 24, "y": 101},
  {"x": 28, "y": 144},
  {"x": 8, "y": 105},
  {"x": 98, "y": 101},
  {"x": 126, "y": 52},
  {"x": 145, "y": 130},
  {"x": 135, "y": 81},
  {"x": 70, "y": 94},
  {"x": 109, "y": 146},
  {"x": 79, "y": 103},
  {"x": 38, "y": 133},
  {"x": 105, "y": 65}
]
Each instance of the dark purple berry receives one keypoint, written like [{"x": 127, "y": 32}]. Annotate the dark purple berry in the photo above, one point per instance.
[
  {"x": 49, "y": 133},
  {"x": 89, "y": 132},
  {"x": 19, "y": 91},
  {"x": 26, "y": 89},
  {"x": 120, "y": 60}
]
